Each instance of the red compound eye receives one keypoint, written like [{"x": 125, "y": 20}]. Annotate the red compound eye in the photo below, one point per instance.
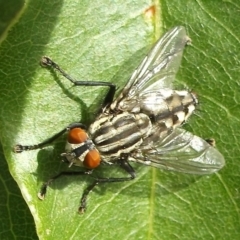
[
  {"x": 92, "y": 159},
  {"x": 77, "y": 135}
]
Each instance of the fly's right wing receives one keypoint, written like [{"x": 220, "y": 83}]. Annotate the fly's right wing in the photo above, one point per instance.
[
  {"x": 156, "y": 71},
  {"x": 183, "y": 152}
]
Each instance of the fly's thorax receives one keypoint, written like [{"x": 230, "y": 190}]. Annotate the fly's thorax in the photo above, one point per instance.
[
  {"x": 121, "y": 133},
  {"x": 80, "y": 150},
  {"x": 129, "y": 104}
]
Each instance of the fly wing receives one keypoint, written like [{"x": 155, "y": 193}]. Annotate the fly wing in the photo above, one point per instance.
[
  {"x": 183, "y": 152},
  {"x": 156, "y": 71}
]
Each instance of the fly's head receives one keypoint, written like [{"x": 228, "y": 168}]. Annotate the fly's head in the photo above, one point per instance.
[{"x": 80, "y": 150}]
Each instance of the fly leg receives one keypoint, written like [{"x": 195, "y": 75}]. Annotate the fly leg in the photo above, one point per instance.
[
  {"x": 83, "y": 203},
  {"x": 20, "y": 148},
  {"x": 46, "y": 61},
  {"x": 124, "y": 164},
  {"x": 43, "y": 190}
]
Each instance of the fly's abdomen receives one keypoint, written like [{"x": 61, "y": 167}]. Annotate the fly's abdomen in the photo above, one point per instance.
[
  {"x": 120, "y": 133},
  {"x": 169, "y": 107}
]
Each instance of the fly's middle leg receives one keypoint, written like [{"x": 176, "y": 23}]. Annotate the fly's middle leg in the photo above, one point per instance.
[{"x": 48, "y": 62}]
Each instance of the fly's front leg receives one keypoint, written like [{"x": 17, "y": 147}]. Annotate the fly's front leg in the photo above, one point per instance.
[
  {"x": 83, "y": 203},
  {"x": 43, "y": 190},
  {"x": 20, "y": 148},
  {"x": 46, "y": 61},
  {"x": 124, "y": 164}
]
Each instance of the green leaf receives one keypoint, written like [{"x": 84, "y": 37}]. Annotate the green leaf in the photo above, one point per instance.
[
  {"x": 16, "y": 220},
  {"x": 10, "y": 11},
  {"x": 105, "y": 41}
]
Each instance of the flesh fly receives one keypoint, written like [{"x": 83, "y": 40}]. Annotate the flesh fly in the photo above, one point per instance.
[{"x": 140, "y": 125}]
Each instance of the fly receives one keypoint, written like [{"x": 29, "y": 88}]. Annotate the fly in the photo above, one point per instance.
[{"x": 140, "y": 125}]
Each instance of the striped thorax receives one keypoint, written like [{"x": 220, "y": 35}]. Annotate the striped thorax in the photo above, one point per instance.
[{"x": 113, "y": 134}]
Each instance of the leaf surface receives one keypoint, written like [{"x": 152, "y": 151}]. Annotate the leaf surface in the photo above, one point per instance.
[{"x": 105, "y": 41}]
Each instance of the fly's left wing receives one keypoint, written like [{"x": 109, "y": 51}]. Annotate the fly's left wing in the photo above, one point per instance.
[
  {"x": 183, "y": 152},
  {"x": 156, "y": 71}
]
